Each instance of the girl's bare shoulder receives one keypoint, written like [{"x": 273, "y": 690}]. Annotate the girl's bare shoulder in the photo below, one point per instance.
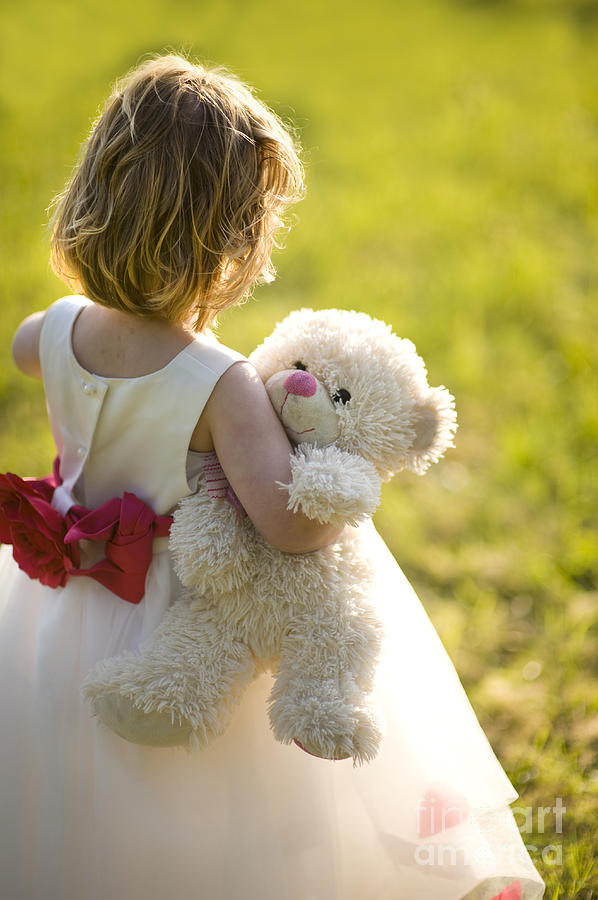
[
  {"x": 254, "y": 452},
  {"x": 25, "y": 345}
]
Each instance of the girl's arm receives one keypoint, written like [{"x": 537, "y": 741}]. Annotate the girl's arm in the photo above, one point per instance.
[
  {"x": 25, "y": 345},
  {"x": 254, "y": 450}
]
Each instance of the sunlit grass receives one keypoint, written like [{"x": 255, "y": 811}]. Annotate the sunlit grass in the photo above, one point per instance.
[{"x": 451, "y": 153}]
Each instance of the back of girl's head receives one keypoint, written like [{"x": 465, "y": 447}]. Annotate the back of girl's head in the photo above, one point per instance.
[{"x": 173, "y": 208}]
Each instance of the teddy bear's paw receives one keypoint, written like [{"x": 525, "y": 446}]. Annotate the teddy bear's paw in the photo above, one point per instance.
[
  {"x": 153, "y": 729},
  {"x": 331, "y": 485}
]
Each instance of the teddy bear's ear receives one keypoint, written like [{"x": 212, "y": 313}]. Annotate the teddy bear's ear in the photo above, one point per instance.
[{"x": 435, "y": 424}]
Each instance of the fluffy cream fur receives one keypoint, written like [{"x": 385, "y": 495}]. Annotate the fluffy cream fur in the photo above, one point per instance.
[
  {"x": 387, "y": 421},
  {"x": 331, "y": 485},
  {"x": 307, "y": 618}
]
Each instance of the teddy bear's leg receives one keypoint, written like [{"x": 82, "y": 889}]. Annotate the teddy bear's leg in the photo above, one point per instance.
[
  {"x": 321, "y": 696},
  {"x": 182, "y": 685}
]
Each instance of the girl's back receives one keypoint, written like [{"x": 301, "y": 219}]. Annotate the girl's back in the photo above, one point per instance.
[{"x": 124, "y": 404}]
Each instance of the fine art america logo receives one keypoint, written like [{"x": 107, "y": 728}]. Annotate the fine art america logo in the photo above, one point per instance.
[{"x": 451, "y": 834}]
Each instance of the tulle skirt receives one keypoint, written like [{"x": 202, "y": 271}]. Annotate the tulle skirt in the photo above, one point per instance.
[{"x": 84, "y": 815}]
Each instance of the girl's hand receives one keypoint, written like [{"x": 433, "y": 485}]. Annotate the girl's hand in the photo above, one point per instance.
[
  {"x": 25, "y": 345},
  {"x": 254, "y": 452}
]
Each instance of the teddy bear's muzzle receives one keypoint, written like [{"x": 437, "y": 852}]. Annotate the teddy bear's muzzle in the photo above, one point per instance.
[{"x": 304, "y": 407}]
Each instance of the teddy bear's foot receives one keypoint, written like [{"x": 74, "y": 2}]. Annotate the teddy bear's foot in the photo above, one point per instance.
[
  {"x": 360, "y": 739},
  {"x": 147, "y": 702},
  {"x": 181, "y": 687},
  {"x": 153, "y": 729},
  {"x": 318, "y": 755},
  {"x": 326, "y": 725}
]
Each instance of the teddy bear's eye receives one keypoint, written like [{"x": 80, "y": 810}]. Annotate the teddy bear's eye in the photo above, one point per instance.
[
  {"x": 300, "y": 365},
  {"x": 341, "y": 396}
]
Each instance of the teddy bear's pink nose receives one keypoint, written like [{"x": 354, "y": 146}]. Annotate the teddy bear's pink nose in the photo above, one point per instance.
[{"x": 301, "y": 383}]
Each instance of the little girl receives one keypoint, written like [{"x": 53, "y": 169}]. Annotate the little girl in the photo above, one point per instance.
[{"x": 169, "y": 218}]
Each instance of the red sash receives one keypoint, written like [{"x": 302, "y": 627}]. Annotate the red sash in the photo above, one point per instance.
[{"x": 45, "y": 543}]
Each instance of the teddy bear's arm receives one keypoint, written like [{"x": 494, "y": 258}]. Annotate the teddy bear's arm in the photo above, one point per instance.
[{"x": 331, "y": 485}]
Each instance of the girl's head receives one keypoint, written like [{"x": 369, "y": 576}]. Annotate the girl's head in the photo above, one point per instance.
[{"x": 173, "y": 208}]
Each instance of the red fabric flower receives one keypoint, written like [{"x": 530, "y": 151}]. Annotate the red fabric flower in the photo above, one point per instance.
[
  {"x": 45, "y": 544},
  {"x": 35, "y": 529}
]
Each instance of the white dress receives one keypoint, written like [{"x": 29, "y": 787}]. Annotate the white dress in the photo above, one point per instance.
[{"x": 84, "y": 815}]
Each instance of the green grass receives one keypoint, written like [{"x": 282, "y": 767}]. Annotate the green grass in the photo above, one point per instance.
[{"x": 451, "y": 153}]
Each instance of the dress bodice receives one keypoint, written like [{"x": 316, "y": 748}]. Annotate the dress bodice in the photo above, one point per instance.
[{"x": 125, "y": 434}]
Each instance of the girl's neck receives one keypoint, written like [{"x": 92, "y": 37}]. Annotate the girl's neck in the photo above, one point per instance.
[
  {"x": 115, "y": 344},
  {"x": 141, "y": 324}
]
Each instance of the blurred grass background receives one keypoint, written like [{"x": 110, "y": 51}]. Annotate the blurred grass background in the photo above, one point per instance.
[{"x": 451, "y": 152}]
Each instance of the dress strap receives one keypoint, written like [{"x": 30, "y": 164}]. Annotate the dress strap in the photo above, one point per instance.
[
  {"x": 72, "y": 401},
  {"x": 192, "y": 377},
  {"x": 56, "y": 334}
]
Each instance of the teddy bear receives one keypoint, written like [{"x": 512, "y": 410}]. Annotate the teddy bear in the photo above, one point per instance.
[{"x": 354, "y": 400}]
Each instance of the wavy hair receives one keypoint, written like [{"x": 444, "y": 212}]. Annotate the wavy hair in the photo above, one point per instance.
[{"x": 173, "y": 207}]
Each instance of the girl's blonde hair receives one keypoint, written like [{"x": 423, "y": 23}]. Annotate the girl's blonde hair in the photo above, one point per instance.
[{"x": 174, "y": 205}]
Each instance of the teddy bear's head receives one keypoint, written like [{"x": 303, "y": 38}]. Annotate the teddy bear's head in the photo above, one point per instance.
[{"x": 338, "y": 376}]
